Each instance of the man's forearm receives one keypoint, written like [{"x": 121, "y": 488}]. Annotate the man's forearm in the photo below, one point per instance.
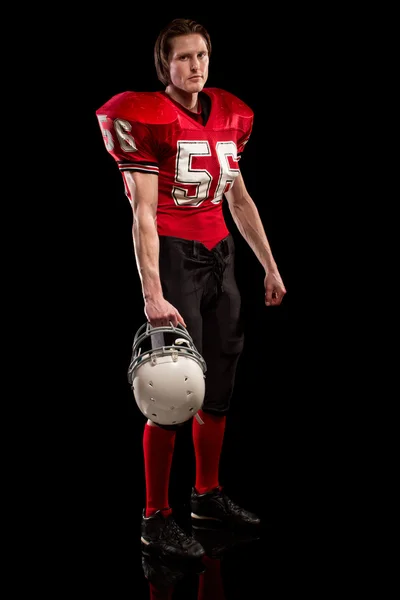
[
  {"x": 247, "y": 220},
  {"x": 147, "y": 249}
]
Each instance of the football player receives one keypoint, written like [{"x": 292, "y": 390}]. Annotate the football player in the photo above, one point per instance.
[{"x": 178, "y": 151}]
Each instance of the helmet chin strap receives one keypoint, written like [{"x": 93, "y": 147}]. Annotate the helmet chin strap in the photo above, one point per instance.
[
  {"x": 157, "y": 340},
  {"x": 179, "y": 342},
  {"x": 198, "y": 419}
]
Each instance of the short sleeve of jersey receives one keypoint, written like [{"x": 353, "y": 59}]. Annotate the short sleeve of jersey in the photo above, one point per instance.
[
  {"x": 245, "y": 136},
  {"x": 129, "y": 142},
  {"x": 238, "y": 114}
]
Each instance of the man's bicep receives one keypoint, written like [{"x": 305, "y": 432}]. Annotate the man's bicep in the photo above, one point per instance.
[
  {"x": 237, "y": 194},
  {"x": 142, "y": 191}
]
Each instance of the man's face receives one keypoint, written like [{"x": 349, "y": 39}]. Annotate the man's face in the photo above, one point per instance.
[{"x": 188, "y": 62}]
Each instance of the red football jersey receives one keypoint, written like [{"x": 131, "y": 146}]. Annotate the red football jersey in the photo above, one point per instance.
[{"x": 195, "y": 163}]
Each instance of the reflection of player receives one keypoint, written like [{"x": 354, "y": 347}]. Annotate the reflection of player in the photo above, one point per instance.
[
  {"x": 178, "y": 151},
  {"x": 210, "y": 582},
  {"x": 164, "y": 576}
]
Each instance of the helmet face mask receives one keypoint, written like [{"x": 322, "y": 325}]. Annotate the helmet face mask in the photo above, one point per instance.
[{"x": 167, "y": 374}]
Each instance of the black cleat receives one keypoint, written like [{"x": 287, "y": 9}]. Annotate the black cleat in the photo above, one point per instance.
[
  {"x": 215, "y": 509},
  {"x": 162, "y": 535}
]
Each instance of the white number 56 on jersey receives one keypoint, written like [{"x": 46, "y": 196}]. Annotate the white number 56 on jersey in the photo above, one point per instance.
[
  {"x": 202, "y": 179},
  {"x": 185, "y": 174}
]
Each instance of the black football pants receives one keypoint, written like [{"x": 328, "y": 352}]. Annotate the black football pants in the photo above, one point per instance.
[{"x": 201, "y": 285}]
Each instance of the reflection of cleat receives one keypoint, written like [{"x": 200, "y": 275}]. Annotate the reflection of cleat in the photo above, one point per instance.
[
  {"x": 215, "y": 509},
  {"x": 163, "y": 571},
  {"x": 158, "y": 573},
  {"x": 217, "y": 542},
  {"x": 161, "y": 535}
]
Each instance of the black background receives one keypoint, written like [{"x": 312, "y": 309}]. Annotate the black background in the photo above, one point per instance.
[{"x": 273, "y": 64}]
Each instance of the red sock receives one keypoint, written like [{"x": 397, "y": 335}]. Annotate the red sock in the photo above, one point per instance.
[
  {"x": 158, "y": 450},
  {"x": 207, "y": 441}
]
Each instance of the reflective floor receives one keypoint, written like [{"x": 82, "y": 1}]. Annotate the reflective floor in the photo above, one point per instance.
[
  {"x": 227, "y": 571},
  {"x": 109, "y": 562},
  {"x": 236, "y": 566}
]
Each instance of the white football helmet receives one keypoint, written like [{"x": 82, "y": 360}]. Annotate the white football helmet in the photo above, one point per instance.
[{"x": 167, "y": 374}]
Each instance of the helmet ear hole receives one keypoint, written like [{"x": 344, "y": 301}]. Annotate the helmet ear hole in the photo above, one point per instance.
[{"x": 158, "y": 374}]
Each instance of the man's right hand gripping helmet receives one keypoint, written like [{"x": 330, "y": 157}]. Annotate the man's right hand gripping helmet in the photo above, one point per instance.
[{"x": 167, "y": 374}]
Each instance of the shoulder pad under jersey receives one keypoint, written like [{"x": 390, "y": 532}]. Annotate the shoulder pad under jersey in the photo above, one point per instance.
[
  {"x": 230, "y": 102},
  {"x": 151, "y": 108}
]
